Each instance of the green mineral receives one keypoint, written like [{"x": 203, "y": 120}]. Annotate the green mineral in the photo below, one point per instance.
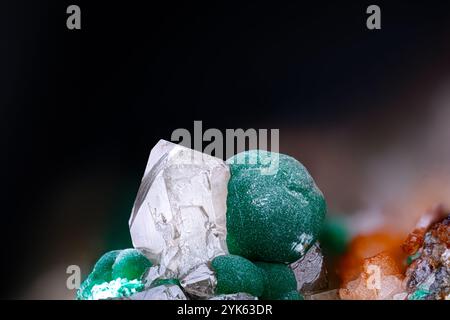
[
  {"x": 102, "y": 272},
  {"x": 116, "y": 288},
  {"x": 272, "y": 215},
  {"x": 334, "y": 237},
  {"x": 279, "y": 281},
  {"x": 236, "y": 274},
  {"x": 419, "y": 294},
  {"x": 130, "y": 264},
  {"x": 114, "y": 269}
]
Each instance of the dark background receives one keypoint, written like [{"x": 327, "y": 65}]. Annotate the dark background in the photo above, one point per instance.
[{"x": 81, "y": 110}]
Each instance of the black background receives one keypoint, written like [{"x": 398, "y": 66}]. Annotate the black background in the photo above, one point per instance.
[{"x": 91, "y": 103}]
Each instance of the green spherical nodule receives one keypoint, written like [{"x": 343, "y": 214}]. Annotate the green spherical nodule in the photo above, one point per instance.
[
  {"x": 102, "y": 272},
  {"x": 125, "y": 264},
  {"x": 275, "y": 211},
  {"x": 236, "y": 274},
  {"x": 279, "y": 281},
  {"x": 130, "y": 264}
]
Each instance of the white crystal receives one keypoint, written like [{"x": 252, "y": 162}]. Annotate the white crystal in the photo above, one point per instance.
[
  {"x": 179, "y": 215},
  {"x": 310, "y": 271}
]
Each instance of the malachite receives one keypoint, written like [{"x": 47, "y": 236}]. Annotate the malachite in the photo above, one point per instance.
[
  {"x": 272, "y": 217},
  {"x": 279, "y": 281},
  {"x": 116, "y": 288},
  {"x": 334, "y": 237},
  {"x": 126, "y": 265},
  {"x": 130, "y": 264},
  {"x": 419, "y": 294},
  {"x": 236, "y": 274}
]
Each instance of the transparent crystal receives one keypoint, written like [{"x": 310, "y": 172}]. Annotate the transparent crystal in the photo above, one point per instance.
[{"x": 179, "y": 215}]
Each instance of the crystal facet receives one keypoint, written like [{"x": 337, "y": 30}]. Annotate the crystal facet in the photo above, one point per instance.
[
  {"x": 200, "y": 283},
  {"x": 310, "y": 271},
  {"x": 179, "y": 216}
]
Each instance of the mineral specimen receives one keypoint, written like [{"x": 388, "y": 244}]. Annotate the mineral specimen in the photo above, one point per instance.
[
  {"x": 236, "y": 274},
  {"x": 428, "y": 276},
  {"x": 116, "y": 274},
  {"x": 310, "y": 271},
  {"x": 279, "y": 281},
  {"x": 272, "y": 217},
  {"x": 179, "y": 216},
  {"x": 130, "y": 264}
]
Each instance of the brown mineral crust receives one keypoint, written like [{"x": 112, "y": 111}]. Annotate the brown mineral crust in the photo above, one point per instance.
[
  {"x": 441, "y": 231},
  {"x": 415, "y": 239}
]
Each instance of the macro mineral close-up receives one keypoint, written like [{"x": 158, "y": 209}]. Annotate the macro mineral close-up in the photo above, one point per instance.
[
  {"x": 207, "y": 229},
  {"x": 428, "y": 275}
]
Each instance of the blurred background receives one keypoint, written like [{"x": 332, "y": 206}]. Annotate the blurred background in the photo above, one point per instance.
[{"x": 367, "y": 112}]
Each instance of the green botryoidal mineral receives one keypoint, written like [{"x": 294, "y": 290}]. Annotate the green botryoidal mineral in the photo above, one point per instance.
[
  {"x": 279, "y": 282},
  {"x": 130, "y": 264},
  {"x": 272, "y": 215},
  {"x": 236, "y": 274},
  {"x": 116, "y": 274}
]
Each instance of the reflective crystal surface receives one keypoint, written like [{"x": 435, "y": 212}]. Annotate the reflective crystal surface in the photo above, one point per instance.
[
  {"x": 179, "y": 215},
  {"x": 200, "y": 283},
  {"x": 310, "y": 271}
]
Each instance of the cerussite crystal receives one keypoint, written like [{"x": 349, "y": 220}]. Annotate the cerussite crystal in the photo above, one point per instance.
[
  {"x": 236, "y": 274},
  {"x": 178, "y": 218},
  {"x": 272, "y": 216},
  {"x": 310, "y": 271}
]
